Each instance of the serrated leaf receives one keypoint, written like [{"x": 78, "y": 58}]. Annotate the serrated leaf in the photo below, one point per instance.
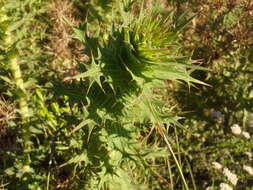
[
  {"x": 78, "y": 33},
  {"x": 93, "y": 73}
]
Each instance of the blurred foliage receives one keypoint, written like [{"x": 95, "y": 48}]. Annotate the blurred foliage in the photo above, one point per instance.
[{"x": 220, "y": 37}]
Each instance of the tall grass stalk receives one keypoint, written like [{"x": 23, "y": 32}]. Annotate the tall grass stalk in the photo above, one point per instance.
[{"x": 176, "y": 161}]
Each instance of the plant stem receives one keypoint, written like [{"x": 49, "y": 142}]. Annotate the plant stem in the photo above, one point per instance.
[
  {"x": 15, "y": 70},
  {"x": 17, "y": 76},
  {"x": 22, "y": 102}
]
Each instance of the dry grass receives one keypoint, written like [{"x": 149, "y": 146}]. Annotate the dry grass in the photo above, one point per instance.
[
  {"x": 66, "y": 50},
  {"x": 7, "y": 136},
  {"x": 6, "y": 114}
]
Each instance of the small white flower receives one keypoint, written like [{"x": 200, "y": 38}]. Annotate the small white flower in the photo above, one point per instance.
[
  {"x": 197, "y": 135},
  {"x": 236, "y": 129},
  {"x": 249, "y": 154},
  {"x": 246, "y": 134},
  {"x": 231, "y": 176},
  {"x": 209, "y": 188},
  {"x": 224, "y": 186},
  {"x": 217, "y": 165},
  {"x": 248, "y": 169}
]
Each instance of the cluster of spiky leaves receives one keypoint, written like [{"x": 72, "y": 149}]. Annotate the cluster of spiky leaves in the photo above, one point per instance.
[
  {"x": 127, "y": 65},
  {"x": 131, "y": 60}
]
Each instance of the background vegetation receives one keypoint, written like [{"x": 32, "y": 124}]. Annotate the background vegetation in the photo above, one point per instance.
[{"x": 130, "y": 94}]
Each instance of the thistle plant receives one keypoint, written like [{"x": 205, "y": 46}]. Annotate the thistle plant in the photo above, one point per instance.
[{"x": 129, "y": 62}]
